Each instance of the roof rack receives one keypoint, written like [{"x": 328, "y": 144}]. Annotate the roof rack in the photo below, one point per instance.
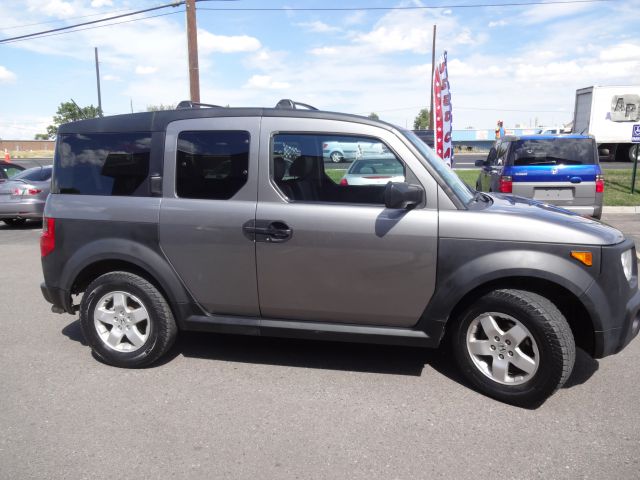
[
  {"x": 287, "y": 104},
  {"x": 185, "y": 104}
]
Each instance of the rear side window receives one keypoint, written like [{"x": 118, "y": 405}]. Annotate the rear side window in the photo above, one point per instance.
[
  {"x": 9, "y": 172},
  {"x": 103, "y": 164},
  {"x": 554, "y": 151},
  {"x": 211, "y": 165}
]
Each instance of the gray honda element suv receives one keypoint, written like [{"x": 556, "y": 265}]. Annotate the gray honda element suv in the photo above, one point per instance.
[{"x": 228, "y": 220}]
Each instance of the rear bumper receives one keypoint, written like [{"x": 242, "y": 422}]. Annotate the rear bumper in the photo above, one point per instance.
[
  {"x": 21, "y": 209},
  {"x": 57, "y": 297}
]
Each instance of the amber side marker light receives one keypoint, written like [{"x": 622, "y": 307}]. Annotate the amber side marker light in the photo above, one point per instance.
[{"x": 583, "y": 257}]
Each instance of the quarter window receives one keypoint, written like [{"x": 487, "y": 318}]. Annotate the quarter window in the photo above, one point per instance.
[
  {"x": 333, "y": 168},
  {"x": 211, "y": 165},
  {"x": 103, "y": 164}
]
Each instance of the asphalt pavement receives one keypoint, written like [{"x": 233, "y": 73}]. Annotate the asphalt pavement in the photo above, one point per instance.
[{"x": 234, "y": 407}]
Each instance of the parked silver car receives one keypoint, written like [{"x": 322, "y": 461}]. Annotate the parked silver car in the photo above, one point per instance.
[
  {"x": 23, "y": 196},
  {"x": 373, "y": 171},
  {"x": 339, "y": 151}
]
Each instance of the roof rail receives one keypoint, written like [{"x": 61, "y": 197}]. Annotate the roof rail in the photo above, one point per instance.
[
  {"x": 185, "y": 104},
  {"x": 287, "y": 104}
]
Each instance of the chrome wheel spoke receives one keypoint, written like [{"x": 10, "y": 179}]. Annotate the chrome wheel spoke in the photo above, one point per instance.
[
  {"x": 500, "y": 369},
  {"x": 135, "y": 337},
  {"x": 480, "y": 347},
  {"x": 138, "y": 315},
  {"x": 490, "y": 327},
  {"x": 516, "y": 334},
  {"x": 523, "y": 361},
  {"x": 105, "y": 316},
  {"x": 115, "y": 337},
  {"x": 119, "y": 301}
]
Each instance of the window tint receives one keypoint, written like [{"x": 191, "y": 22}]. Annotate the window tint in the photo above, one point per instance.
[
  {"x": 502, "y": 153},
  {"x": 211, "y": 164},
  {"x": 36, "y": 174},
  {"x": 554, "y": 151},
  {"x": 103, "y": 164},
  {"x": 304, "y": 168}
]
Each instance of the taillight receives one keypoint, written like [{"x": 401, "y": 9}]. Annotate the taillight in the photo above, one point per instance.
[
  {"x": 48, "y": 236},
  {"x": 599, "y": 183},
  {"x": 344, "y": 182},
  {"x": 506, "y": 185},
  {"x": 32, "y": 191}
]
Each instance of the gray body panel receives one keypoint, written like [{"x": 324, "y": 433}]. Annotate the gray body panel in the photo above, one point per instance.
[
  {"x": 359, "y": 264},
  {"x": 203, "y": 239}
]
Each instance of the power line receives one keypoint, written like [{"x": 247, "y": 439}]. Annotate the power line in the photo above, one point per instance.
[
  {"x": 68, "y": 27},
  {"x": 416, "y": 7},
  {"x": 98, "y": 26},
  {"x": 63, "y": 20}
]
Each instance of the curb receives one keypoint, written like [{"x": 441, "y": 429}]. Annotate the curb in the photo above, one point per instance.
[{"x": 621, "y": 209}]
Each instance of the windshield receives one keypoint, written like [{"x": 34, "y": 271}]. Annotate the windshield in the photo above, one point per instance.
[
  {"x": 554, "y": 151},
  {"x": 448, "y": 175}
]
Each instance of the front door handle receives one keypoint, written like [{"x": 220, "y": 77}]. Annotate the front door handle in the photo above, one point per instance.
[{"x": 272, "y": 231}]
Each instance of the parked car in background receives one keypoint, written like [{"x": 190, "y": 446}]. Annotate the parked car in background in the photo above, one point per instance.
[
  {"x": 8, "y": 170},
  {"x": 373, "y": 171},
  {"x": 23, "y": 196},
  {"x": 562, "y": 170},
  {"x": 339, "y": 151}
]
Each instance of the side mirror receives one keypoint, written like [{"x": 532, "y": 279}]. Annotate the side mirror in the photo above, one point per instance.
[
  {"x": 402, "y": 195},
  {"x": 481, "y": 163}
]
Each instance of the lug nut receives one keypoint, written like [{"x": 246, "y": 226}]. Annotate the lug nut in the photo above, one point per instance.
[
  {"x": 493, "y": 347},
  {"x": 508, "y": 342},
  {"x": 510, "y": 353},
  {"x": 496, "y": 338},
  {"x": 501, "y": 356}
]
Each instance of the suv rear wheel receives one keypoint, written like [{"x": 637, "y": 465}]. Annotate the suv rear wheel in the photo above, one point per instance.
[
  {"x": 514, "y": 346},
  {"x": 126, "y": 320}
]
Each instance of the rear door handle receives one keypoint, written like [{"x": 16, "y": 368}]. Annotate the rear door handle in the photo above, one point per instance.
[{"x": 272, "y": 231}]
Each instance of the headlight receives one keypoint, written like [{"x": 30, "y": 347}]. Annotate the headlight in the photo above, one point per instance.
[{"x": 627, "y": 266}]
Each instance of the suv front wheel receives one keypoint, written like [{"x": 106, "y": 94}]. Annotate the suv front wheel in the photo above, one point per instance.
[
  {"x": 126, "y": 320},
  {"x": 514, "y": 346}
]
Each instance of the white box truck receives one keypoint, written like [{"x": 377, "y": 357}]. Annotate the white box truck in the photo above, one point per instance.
[{"x": 609, "y": 113}]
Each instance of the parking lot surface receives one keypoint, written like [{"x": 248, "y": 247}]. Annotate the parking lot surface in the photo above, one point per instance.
[{"x": 241, "y": 407}]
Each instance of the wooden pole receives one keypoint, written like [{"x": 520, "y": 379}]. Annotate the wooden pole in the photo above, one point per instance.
[
  {"x": 98, "y": 80},
  {"x": 192, "y": 45},
  {"x": 433, "y": 66}
]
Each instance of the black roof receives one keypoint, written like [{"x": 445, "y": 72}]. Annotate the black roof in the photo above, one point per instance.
[{"x": 157, "y": 121}]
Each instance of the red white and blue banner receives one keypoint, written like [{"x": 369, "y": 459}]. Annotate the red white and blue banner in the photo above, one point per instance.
[{"x": 442, "y": 112}]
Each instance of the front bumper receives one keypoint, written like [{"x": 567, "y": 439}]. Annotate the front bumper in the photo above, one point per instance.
[{"x": 614, "y": 302}]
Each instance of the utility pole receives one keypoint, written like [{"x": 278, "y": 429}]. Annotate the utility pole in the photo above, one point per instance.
[
  {"x": 192, "y": 45},
  {"x": 95, "y": 49},
  {"x": 433, "y": 66}
]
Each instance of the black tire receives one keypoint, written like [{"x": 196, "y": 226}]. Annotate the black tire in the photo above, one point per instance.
[
  {"x": 15, "y": 222},
  {"x": 161, "y": 324},
  {"x": 550, "y": 331}
]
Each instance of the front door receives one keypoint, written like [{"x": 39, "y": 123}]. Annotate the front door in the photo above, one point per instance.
[
  {"x": 327, "y": 248},
  {"x": 210, "y": 185}
]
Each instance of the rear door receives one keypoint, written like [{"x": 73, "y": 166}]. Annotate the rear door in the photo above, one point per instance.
[
  {"x": 210, "y": 192},
  {"x": 335, "y": 253}
]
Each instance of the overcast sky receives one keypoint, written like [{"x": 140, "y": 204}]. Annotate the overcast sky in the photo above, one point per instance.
[{"x": 511, "y": 63}]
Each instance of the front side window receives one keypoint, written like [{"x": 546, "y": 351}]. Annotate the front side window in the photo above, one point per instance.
[
  {"x": 103, "y": 164},
  {"x": 211, "y": 165},
  {"x": 331, "y": 168}
]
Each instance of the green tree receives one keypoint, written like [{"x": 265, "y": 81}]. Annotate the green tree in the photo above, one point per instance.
[
  {"x": 422, "y": 120},
  {"x": 373, "y": 116},
  {"x": 159, "y": 107},
  {"x": 70, "y": 112},
  {"x": 41, "y": 136}
]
